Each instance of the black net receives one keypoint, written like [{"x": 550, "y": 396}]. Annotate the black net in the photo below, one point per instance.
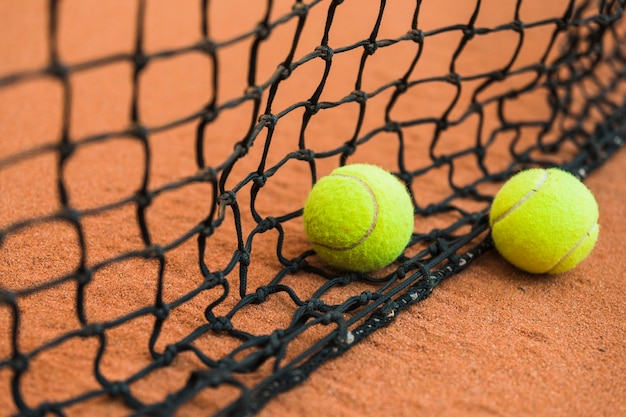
[{"x": 555, "y": 97}]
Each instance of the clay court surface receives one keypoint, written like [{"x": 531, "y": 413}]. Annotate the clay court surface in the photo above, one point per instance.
[{"x": 489, "y": 341}]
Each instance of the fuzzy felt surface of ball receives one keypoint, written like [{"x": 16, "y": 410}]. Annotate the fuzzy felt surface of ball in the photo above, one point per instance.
[
  {"x": 359, "y": 218},
  {"x": 544, "y": 221}
]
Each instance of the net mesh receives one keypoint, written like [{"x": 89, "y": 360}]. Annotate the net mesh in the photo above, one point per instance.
[{"x": 553, "y": 97}]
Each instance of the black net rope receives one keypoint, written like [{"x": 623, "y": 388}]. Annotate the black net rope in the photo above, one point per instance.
[{"x": 579, "y": 77}]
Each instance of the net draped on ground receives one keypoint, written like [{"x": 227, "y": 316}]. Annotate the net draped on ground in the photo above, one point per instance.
[{"x": 575, "y": 84}]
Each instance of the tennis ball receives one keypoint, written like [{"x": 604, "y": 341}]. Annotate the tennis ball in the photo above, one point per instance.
[
  {"x": 358, "y": 218},
  {"x": 544, "y": 221}
]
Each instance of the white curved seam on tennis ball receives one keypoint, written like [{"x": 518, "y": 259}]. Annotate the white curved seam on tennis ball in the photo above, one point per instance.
[
  {"x": 576, "y": 246},
  {"x": 372, "y": 224},
  {"x": 522, "y": 200}
]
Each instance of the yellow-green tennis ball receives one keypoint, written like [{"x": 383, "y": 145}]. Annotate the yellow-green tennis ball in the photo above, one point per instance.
[
  {"x": 359, "y": 218},
  {"x": 544, "y": 221}
]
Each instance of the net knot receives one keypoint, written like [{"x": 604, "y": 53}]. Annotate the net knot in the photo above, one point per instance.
[
  {"x": 499, "y": 76},
  {"x": 58, "y": 70},
  {"x": 261, "y": 295},
  {"x": 313, "y": 304},
  {"x": 222, "y": 323},
  {"x": 442, "y": 160},
  {"x": 162, "y": 312},
  {"x": 66, "y": 149},
  {"x": 295, "y": 265},
  {"x": 143, "y": 198},
  {"x": 19, "y": 363},
  {"x": 260, "y": 179},
  {"x": 207, "y": 230},
  {"x": 332, "y": 317},
  {"x": 347, "y": 278},
  {"x": 402, "y": 270},
  {"x": 467, "y": 191},
  {"x": 402, "y": 86},
  {"x": 541, "y": 68},
  {"x": 140, "y": 61},
  {"x": 304, "y": 155},
  {"x": 430, "y": 209},
  {"x": 118, "y": 388},
  {"x": 365, "y": 297},
  {"x": 325, "y": 52},
  {"x": 360, "y": 96},
  {"x": 210, "y": 114},
  {"x": 370, "y": 48},
  {"x": 561, "y": 25},
  {"x": 349, "y": 148},
  {"x": 416, "y": 35},
  {"x": 206, "y": 46},
  {"x": 453, "y": 78},
  {"x": 84, "y": 276},
  {"x": 228, "y": 198},
  {"x": 312, "y": 108},
  {"x": 169, "y": 354},
  {"x": 70, "y": 215},
  {"x": 405, "y": 177},
  {"x": 266, "y": 224},
  {"x": 433, "y": 235},
  {"x": 268, "y": 120},
  {"x": 254, "y": 92},
  {"x": 263, "y": 31},
  {"x": 208, "y": 174},
  {"x": 481, "y": 152},
  {"x": 138, "y": 131},
  {"x": 154, "y": 252},
  {"x": 215, "y": 278},
  {"x": 244, "y": 257},
  {"x": 392, "y": 126},
  {"x": 518, "y": 26},
  {"x": 6, "y": 297},
  {"x": 274, "y": 342},
  {"x": 469, "y": 32},
  {"x": 300, "y": 9},
  {"x": 283, "y": 71},
  {"x": 475, "y": 107},
  {"x": 47, "y": 408},
  {"x": 93, "y": 329}
]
